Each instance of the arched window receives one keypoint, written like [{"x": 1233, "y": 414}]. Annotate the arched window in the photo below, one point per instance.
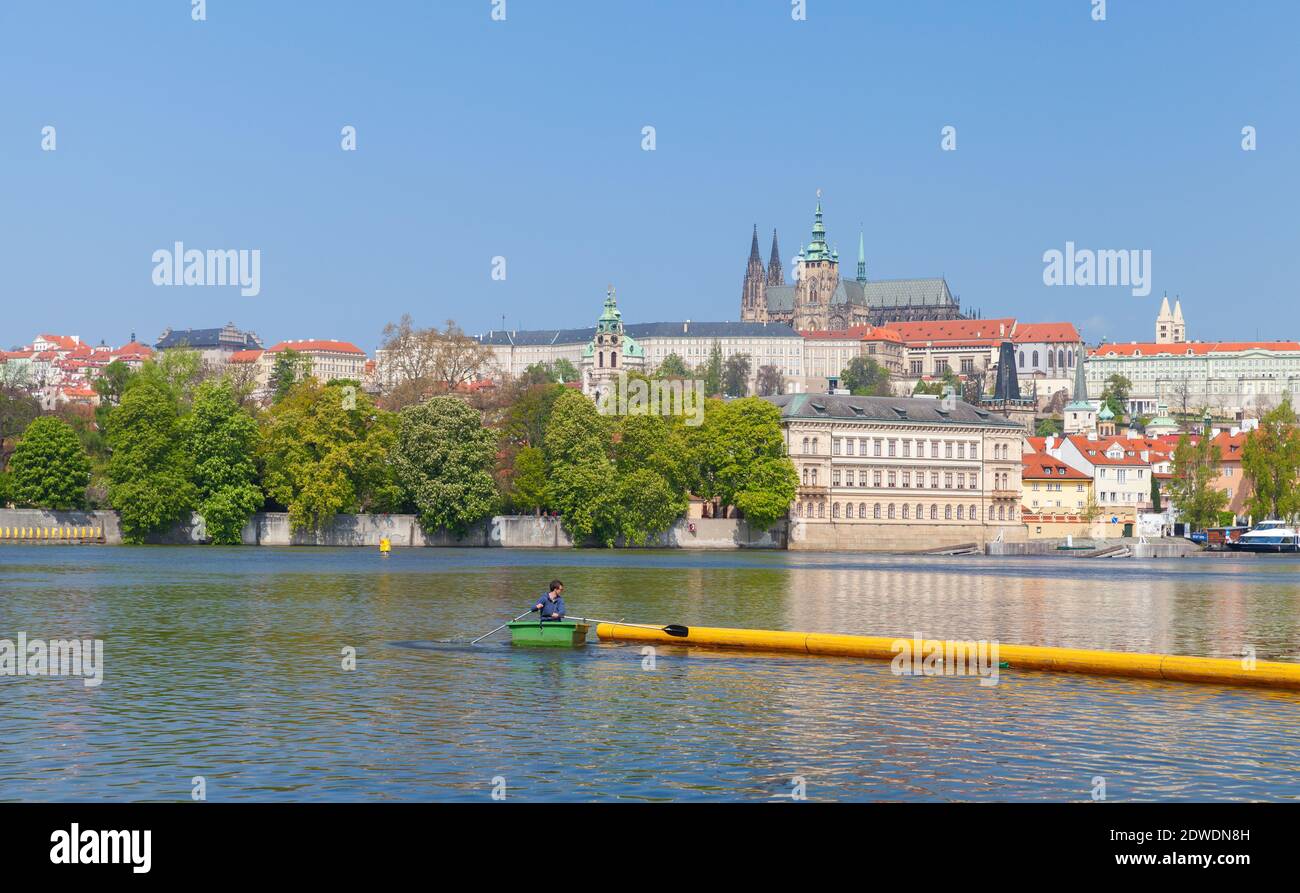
[
  {"x": 835, "y": 510},
  {"x": 891, "y": 511},
  {"x": 907, "y": 509},
  {"x": 1011, "y": 513},
  {"x": 961, "y": 515},
  {"x": 805, "y": 444},
  {"x": 862, "y": 509},
  {"x": 1001, "y": 513},
  {"x": 947, "y": 513},
  {"x": 974, "y": 514},
  {"x": 821, "y": 510},
  {"x": 875, "y": 512},
  {"x": 934, "y": 512},
  {"x": 613, "y": 359},
  {"x": 600, "y": 360},
  {"x": 1022, "y": 359},
  {"x": 805, "y": 477},
  {"x": 1035, "y": 356},
  {"x": 990, "y": 513},
  {"x": 848, "y": 510},
  {"x": 1051, "y": 359},
  {"x": 1060, "y": 358},
  {"x": 920, "y": 511}
]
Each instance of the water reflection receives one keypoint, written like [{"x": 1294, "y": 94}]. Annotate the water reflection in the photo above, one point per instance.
[{"x": 227, "y": 664}]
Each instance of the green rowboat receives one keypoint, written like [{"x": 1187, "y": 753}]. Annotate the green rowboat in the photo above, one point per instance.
[{"x": 562, "y": 633}]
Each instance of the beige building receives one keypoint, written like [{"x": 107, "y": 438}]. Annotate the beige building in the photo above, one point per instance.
[
  {"x": 827, "y": 353},
  {"x": 330, "y": 361},
  {"x": 900, "y": 473},
  {"x": 1058, "y": 499}
]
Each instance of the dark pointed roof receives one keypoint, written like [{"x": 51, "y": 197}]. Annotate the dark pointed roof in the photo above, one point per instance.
[
  {"x": 775, "y": 271},
  {"x": 753, "y": 247}
]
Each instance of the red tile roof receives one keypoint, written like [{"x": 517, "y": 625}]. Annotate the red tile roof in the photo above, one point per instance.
[
  {"x": 1095, "y": 450},
  {"x": 977, "y": 332},
  {"x": 1194, "y": 348},
  {"x": 856, "y": 333},
  {"x": 1046, "y": 332},
  {"x": 331, "y": 346},
  {"x": 1040, "y": 466},
  {"x": 244, "y": 356}
]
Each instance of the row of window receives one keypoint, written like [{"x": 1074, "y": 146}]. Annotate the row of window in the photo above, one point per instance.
[
  {"x": 1062, "y": 359},
  {"x": 905, "y": 512},
  {"x": 875, "y": 446},
  {"x": 859, "y": 478}
]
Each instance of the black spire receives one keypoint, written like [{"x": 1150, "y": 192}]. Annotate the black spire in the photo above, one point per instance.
[
  {"x": 753, "y": 247},
  {"x": 775, "y": 275}
]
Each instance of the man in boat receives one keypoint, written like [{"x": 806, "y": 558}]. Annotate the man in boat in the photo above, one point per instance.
[{"x": 552, "y": 603}]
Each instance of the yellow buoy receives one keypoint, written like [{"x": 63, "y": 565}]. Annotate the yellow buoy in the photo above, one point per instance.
[{"x": 384, "y": 545}]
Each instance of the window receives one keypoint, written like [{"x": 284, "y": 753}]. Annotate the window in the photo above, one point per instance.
[
  {"x": 876, "y": 448},
  {"x": 1022, "y": 359},
  {"x": 835, "y": 446},
  {"x": 893, "y": 479},
  {"x": 975, "y": 450},
  {"x": 934, "y": 449},
  {"x": 920, "y": 511},
  {"x": 974, "y": 481},
  {"x": 906, "y": 510},
  {"x": 947, "y": 513},
  {"x": 875, "y": 478},
  {"x": 967, "y": 365},
  {"x": 934, "y": 512},
  {"x": 907, "y": 479},
  {"x": 947, "y": 449},
  {"x": 835, "y": 510},
  {"x": 892, "y": 447},
  {"x": 907, "y": 449},
  {"x": 835, "y": 478},
  {"x": 862, "y": 447},
  {"x": 848, "y": 510},
  {"x": 934, "y": 480},
  {"x": 862, "y": 509},
  {"x": 821, "y": 510},
  {"x": 875, "y": 512},
  {"x": 917, "y": 367},
  {"x": 961, "y": 451},
  {"x": 947, "y": 480},
  {"x": 974, "y": 514},
  {"x": 960, "y": 513}
]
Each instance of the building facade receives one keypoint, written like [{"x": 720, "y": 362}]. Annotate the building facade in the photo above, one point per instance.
[{"x": 909, "y": 473}]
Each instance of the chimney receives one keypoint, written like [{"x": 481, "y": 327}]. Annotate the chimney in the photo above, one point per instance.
[{"x": 1049, "y": 443}]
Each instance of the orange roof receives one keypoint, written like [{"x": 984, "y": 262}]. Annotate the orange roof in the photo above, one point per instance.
[
  {"x": 856, "y": 333},
  {"x": 1095, "y": 450},
  {"x": 1045, "y": 332},
  {"x": 306, "y": 345},
  {"x": 976, "y": 332},
  {"x": 1230, "y": 445},
  {"x": 65, "y": 342},
  {"x": 1040, "y": 466},
  {"x": 244, "y": 356},
  {"x": 1193, "y": 348},
  {"x": 135, "y": 349}
]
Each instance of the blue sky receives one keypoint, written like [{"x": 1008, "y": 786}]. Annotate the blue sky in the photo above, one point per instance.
[{"x": 522, "y": 139}]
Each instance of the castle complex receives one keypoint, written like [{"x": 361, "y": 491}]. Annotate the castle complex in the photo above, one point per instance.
[{"x": 819, "y": 300}]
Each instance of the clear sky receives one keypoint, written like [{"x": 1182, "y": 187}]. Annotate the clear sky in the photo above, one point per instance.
[{"x": 523, "y": 139}]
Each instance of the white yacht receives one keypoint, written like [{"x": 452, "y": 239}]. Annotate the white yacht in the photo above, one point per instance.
[{"x": 1268, "y": 536}]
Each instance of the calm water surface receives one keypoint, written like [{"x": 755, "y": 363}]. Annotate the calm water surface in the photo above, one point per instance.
[{"x": 226, "y": 663}]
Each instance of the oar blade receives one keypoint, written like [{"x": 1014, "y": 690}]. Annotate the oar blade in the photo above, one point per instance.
[{"x": 674, "y": 629}]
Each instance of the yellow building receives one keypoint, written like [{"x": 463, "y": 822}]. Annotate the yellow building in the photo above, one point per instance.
[{"x": 1058, "y": 500}]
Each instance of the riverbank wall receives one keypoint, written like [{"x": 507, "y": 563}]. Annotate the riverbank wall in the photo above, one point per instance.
[{"x": 35, "y": 526}]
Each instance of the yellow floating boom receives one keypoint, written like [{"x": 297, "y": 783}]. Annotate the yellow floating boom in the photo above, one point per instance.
[{"x": 1221, "y": 671}]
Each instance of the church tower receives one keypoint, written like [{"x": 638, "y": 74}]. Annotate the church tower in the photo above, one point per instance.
[
  {"x": 775, "y": 271},
  {"x": 1179, "y": 327},
  {"x": 817, "y": 274},
  {"x": 862, "y": 258},
  {"x": 1165, "y": 323},
  {"x": 753, "y": 295}
]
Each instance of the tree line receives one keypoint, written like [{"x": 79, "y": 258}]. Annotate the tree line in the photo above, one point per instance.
[{"x": 176, "y": 438}]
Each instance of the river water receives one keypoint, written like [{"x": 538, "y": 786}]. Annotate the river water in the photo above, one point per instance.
[{"x": 228, "y": 664}]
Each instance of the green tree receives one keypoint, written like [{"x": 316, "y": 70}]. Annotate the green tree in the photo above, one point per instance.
[
  {"x": 650, "y": 455},
  {"x": 735, "y": 375},
  {"x": 178, "y": 372},
  {"x": 222, "y": 441},
  {"x": 1049, "y": 427},
  {"x": 525, "y": 423},
  {"x": 17, "y": 410},
  {"x": 288, "y": 368},
  {"x": 1115, "y": 395},
  {"x": 1192, "y": 490},
  {"x": 50, "y": 468},
  {"x": 528, "y": 490},
  {"x": 579, "y": 470},
  {"x": 769, "y": 381},
  {"x": 738, "y": 457},
  {"x": 672, "y": 367},
  {"x": 1155, "y": 494},
  {"x": 112, "y": 381},
  {"x": 711, "y": 370},
  {"x": 444, "y": 459},
  {"x": 321, "y": 454},
  {"x": 645, "y": 505},
  {"x": 565, "y": 371},
  {"x": 1271, "y": 459},
  {"x": 150, "y": 476},
  {"x": 864, "y": 377}
]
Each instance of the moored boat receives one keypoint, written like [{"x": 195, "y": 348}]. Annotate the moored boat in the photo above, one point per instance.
[
  {"x": 1268, "y": 536},
  {"x": 561, "y": 633}
]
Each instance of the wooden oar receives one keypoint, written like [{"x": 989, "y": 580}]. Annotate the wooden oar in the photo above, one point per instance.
[
  {"x": 671, "y": 629},
  {"x": 501, "y": 627}
]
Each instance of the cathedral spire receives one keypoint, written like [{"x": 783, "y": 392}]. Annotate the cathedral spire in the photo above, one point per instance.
[
  {"x": 753, "y": 300},
  {"x": 775, "y": 272},
  {"x": 862, "y": 258},
  {"x": 753, "y": 247},
  {"x": 817, "y": 249}
]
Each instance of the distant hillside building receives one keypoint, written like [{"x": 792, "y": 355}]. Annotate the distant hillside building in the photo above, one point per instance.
[
  {"x": 819, "y": 300},
  {"x": 214, "y": 345}
]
